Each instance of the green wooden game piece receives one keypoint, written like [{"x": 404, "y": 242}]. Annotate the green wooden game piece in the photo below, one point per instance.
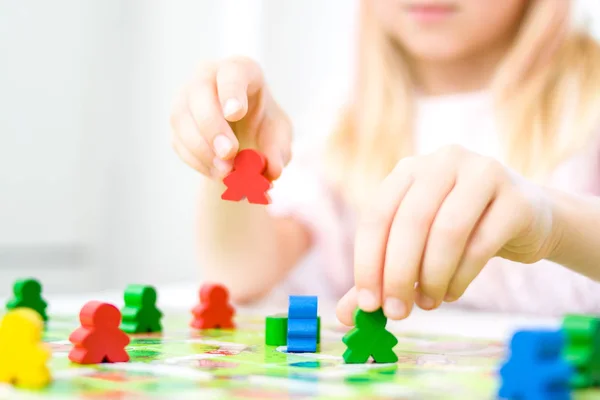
[
  {"x": 140, "y": 314},
  {"x": 318, "y": 329},
  {"x": 369, "y": 338},
  {"x": 28, "y": 294},
  {"x": 582, "y": 349},
  {"x": 276, "y": 330}
]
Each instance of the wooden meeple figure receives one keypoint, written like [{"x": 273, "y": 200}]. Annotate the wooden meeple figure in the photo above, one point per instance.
[
  {"x": 214, "y": 310},
  {"x": 369, "y": 338},
  {"x": 246, "y": 180},
  {"x": 23, "y": 355},
  {"x": 140, "y": 313},
  {"x": 28, "y": 294},
  {"x": 99, "y": 339}
]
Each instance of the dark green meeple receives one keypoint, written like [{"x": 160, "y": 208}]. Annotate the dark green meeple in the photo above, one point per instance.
[
  {"x": 28, "y": 294},
  {"x": 582, "y": 349},
  {"x": 140, "y": 314},
  {"x": 369, "y": 338},
  {"x": 276, "y": 329}
]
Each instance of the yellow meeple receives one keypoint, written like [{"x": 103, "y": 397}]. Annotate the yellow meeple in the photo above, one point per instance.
[{"x": 23, "y": 355}]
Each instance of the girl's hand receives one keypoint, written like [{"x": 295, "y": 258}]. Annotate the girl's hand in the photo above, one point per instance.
[
  {"x": 228, "y": 103},
  {"x": 434, "y": 224}
]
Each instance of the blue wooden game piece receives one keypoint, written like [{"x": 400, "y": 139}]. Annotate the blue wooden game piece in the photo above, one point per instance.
[
  {"x": 302, "y": 328},
  {"x": 303, "y": 324},
  {"x": 302, "y": 307},
  {"x": 535, "y": 369},
  {"x": 301, "y": 345}
]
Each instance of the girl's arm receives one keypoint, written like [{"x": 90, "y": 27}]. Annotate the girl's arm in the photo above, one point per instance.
[
  {"x": 225, "y": 107},
  {"x": 245, "y": 248},
  {"x": 576, "y": 232}
]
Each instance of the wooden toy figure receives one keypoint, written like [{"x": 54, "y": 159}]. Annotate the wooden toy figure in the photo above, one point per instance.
[
  {"x": 23, "y": 356},
  {"x": 214, "y": 310},
  {"x": 99, "y": 338},
  {"x": 369, "y": 338},
  {"x": 582, "y": 349},
  {"x": 140, "y": 314},
  {"x": 28, "y": 293},
  {"x": 246, "y": 180}
]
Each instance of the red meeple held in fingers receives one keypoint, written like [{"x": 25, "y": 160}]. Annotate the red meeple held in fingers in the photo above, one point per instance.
[
  {"x": 246, "y": 180},
  {"x": 99, "y": 338},
  {"x": 214, "y": 310}
]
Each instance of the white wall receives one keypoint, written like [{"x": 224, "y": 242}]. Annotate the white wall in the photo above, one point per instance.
[{"x": 61, "y": 63}]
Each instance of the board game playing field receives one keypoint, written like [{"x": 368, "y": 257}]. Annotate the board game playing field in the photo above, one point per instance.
[{"x": 182, "y": 363}]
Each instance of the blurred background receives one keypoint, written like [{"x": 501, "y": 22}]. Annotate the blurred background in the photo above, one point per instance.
[{"x": 92, "y": 196}]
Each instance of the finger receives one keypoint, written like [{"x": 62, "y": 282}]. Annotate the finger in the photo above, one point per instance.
[
  {"x": 275, "y": 141},
  {"x": 346, "y": 307},
  {"x": 238, "y": 79},
  {"x": 190, "y": 159},
  {"x": 206, "y": 110},
  {"x": 185, "y": 132},
  {"x": 372, "y": 235},
  {"x": 407, "y": 240},
  {"x": 449, "y": 234},
  {"x": 493, "y": 231}
]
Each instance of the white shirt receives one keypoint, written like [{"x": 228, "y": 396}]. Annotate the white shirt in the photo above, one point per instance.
[{"x": 463, "y": 119}]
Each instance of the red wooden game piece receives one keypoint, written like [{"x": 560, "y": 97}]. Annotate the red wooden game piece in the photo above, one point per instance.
[
  {"x": 99, "y": 339},
  {"x": 214, "y": 310},
  {"x": 246, "y": 180}
]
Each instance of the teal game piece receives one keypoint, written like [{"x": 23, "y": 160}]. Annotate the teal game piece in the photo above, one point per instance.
[
  {"x": 369, "y": 338},
  {"x": 28, "y": 294},
  {"x": 140, "y": 314}
]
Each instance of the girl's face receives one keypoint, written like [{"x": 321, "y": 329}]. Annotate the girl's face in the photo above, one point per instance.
[{"x": 446, "y": 30}]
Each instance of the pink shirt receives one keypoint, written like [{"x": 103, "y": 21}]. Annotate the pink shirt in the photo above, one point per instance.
[{"x": 467, "y": 119}]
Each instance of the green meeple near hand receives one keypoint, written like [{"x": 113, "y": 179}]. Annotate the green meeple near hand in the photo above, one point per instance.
[{"x": 369, "y": 338}]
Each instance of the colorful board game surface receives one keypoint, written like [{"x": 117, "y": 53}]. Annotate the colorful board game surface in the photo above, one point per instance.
[{"x": 185, "y": 363}]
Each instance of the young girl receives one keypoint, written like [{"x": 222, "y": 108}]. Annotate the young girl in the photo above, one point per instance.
[{"x": 462, "y": 166}]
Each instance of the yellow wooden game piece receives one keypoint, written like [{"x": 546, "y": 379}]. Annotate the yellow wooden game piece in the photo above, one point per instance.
[{"x": 23, "y": 356}]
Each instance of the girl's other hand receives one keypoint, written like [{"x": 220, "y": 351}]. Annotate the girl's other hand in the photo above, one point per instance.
[
  {"x": 435, "y": 223},
  {"x": 225, "y": 104}
]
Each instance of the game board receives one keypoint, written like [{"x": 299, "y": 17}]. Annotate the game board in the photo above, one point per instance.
[{"x": 181, "y": 363}]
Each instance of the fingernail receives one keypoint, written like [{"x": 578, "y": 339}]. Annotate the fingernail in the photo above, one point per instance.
[
  {"x": 222, "y": 145},
  {"x": 448, "y": 298},
  {"x": 367, "y": 300},
  {"x": 394, "y": 308},
  {"x": 222, "y": 167},
  {"x": 285, "y": 157},
  {"x": 231, "y": 107},
  {"x": 427, "y": 302}
]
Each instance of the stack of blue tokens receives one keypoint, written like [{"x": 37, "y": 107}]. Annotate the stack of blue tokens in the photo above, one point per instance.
[{"x": 302, "y": 324}]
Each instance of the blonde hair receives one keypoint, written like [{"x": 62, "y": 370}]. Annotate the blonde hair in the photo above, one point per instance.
[{"x": 547, "y": 96}]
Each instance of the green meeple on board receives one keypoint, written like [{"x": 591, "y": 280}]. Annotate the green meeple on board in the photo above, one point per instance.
[
  {"x": 369, "y": 338},
  {"x": 582, "y": 349},
  {"x": 140, "y": 314},
  {"x": 28, "y": 294}
]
